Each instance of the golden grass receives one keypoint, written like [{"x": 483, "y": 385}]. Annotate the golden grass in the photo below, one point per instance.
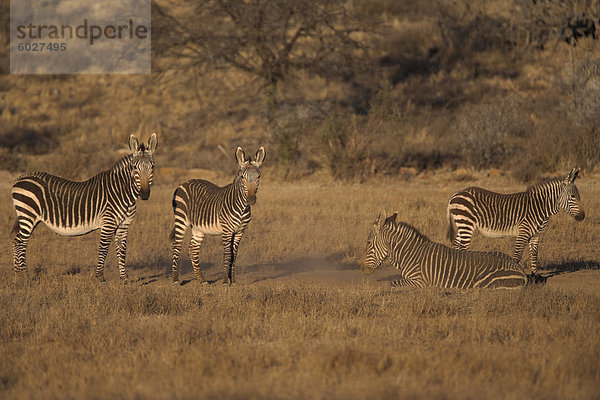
[{"x": 303, "y": 322}]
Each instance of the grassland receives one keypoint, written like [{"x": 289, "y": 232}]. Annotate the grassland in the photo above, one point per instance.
[
  {"x": 455, "y": 94},
  {"x": 303, "y": 322}
]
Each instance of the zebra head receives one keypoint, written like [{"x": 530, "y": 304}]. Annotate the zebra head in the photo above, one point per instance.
[
  {"x": 569, "y": 199},
  {"x": 249, "y": 172},
  {"x": 377, "y": 247},
  {"x": 143, "y": 164}
]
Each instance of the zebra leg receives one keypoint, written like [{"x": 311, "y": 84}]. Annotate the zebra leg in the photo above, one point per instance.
[
  {"x": 106, "y": 235},
  {"x": 403, "y": 282},
  {"x": 533, "y": 253},
  {"x": 236, "y": 243},
  {"x": 24, "y": 229},
  {"x": 464, "y": 234},
  {"x": 230, "y": 244},
  {"x": 399, "y": 283},
  {"x": 121, "y": 241},
  {"x": 520, "y": 243},
  {"x": 503, "y": 279},
  {"x": 195, "y": 243},
  {"x": 177, "y": 239}
]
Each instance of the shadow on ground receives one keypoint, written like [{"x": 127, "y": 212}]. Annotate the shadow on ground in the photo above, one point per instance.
[
  {"x": 551, "y": 270},
  {"x": 153, "y": 269}
]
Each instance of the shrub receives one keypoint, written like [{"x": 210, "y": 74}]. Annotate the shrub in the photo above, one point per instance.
[{"x": 489, "y": 131}]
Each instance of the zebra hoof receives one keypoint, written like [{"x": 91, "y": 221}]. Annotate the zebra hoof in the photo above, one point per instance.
[{"x": 535, "y": 279}]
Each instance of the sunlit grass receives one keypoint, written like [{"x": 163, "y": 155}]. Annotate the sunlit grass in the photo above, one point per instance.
[{"x": 303, "y": 321}]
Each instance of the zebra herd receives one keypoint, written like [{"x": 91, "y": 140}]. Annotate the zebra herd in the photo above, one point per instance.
[
  {"x": 107, "y": 201},
  {"x": 524, "y": 215}
]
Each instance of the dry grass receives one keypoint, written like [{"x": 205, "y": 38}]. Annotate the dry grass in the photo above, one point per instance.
[{"x": 303, "y": 322}]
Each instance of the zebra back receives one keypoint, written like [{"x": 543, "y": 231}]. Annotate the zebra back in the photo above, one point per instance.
[
  {"x": 65, "y": 204},
  {"x": 499, "y": 214}
]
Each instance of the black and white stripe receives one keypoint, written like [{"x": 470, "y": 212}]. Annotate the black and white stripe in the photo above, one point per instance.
[
  {"x": 423, "y": 262},
  {"x": 524, "y": 215},
  {"x": 106, "y": 201},
  {"x": 212, "y": 210}
]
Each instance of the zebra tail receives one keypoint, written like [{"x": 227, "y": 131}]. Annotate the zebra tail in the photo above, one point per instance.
[
  {"x": 451, "y": 232},
  {"x": 174, "y": 204},
  {"x": 15, "y": 228}
]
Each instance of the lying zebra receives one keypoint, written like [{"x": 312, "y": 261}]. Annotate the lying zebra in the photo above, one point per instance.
[{"x": 423, "y": 262}]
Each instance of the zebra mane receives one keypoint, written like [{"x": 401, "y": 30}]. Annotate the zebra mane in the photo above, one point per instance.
[
  {"x": 123, "y": 162},
  {"x": 120, "y": 165},
  {"x": 543, "y": 184},
  {"x": 406, "y": 228}
]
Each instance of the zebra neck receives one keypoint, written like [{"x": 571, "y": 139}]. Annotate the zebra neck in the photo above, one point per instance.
[
  {"x": 404, "y": 241},
  {"x": 545, "y": 200},
  {"x": 123, "y": 181},
  {"x": 238, "y": 194}
]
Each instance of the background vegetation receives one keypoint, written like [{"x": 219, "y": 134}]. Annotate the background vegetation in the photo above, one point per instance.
[{"x": 354, "y": 89}]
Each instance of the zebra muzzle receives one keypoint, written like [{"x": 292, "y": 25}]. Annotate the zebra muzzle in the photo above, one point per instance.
[
  {"x": 365, "y": 269},
  {"x": 145, "y": 193},
  {"x": 251, "y": 200},
  {"x": 580, "y": 216}
]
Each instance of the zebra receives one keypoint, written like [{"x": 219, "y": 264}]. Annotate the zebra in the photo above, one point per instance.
[
  {"x": 524, "y": 214},
  {"x": 423, "y": 262},
  {"x": 211, "y": 210},
  {"x": 106, "y": 201}
]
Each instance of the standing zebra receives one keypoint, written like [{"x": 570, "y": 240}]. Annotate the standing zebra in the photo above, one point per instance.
[
  {"x": 213, "y": 210},
  {"x": 105, "y": 201},
  {"x": 524, "y": 215},
  {"x": 423, "y": 262}
]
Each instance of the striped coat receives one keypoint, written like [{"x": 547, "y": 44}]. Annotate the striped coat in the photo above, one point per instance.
[
  {"x": 107, "y": 201},
  {"x": 523, "y": 215},
  {"x": 422, "y": 262},
  {"x": 212, "y": 210}
]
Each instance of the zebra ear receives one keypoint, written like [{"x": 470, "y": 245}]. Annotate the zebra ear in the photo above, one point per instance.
[
  {"x": 572, "y": 175},
  {"x": 380, "y": 220},
  {"x": 134, "y": 145},
  {"x": 152, "y": 142},
  {"x": 240, "y": 156},
  {"x": 392, "y": 218},
  {"x": 260, "y": 156}
]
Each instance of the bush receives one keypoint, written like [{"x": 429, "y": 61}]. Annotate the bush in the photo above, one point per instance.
[{"x": 490, "y": 132}]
